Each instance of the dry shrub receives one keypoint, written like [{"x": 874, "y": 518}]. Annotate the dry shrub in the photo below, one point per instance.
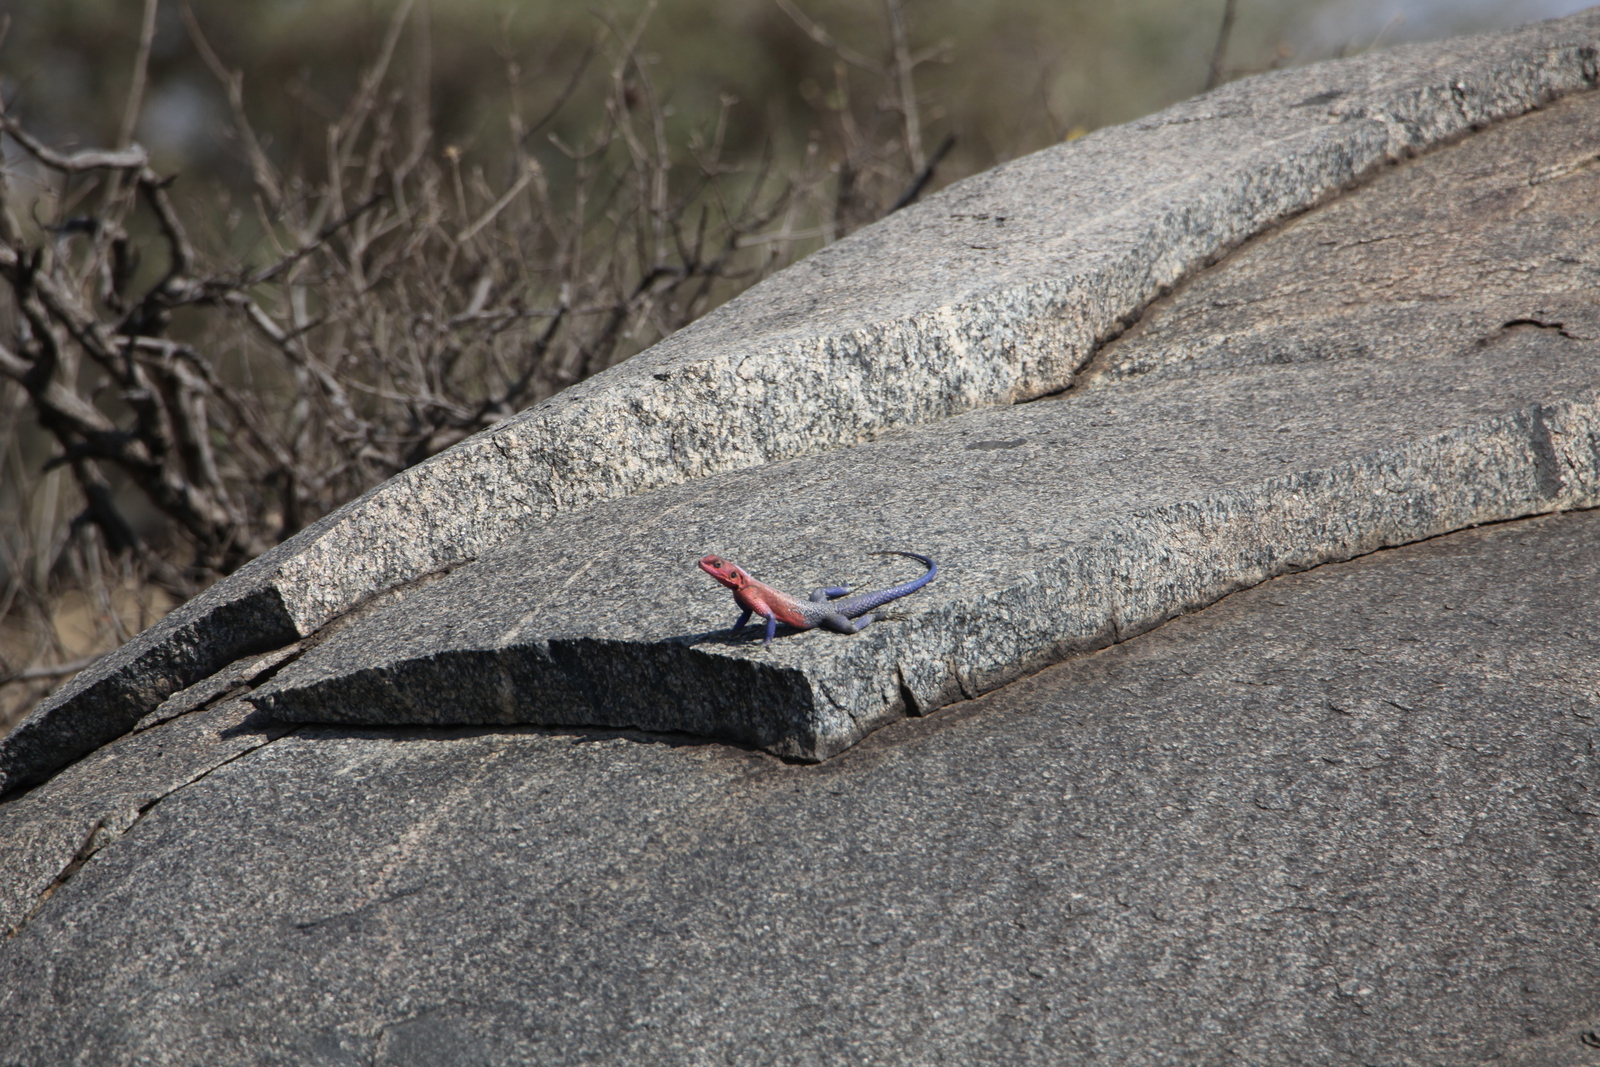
[{"x": 188, "y": 382}]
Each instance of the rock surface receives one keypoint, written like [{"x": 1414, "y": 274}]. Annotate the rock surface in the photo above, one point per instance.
[
  {"x": 1480, "y": 243},
  {"x": 1259, "y": 421},
  {"x": 1059, "y": 527},
  {"x": 994, "y": 291},
  {"x": 48, "y": 834},
  {"x": 1346, "y": 816}
]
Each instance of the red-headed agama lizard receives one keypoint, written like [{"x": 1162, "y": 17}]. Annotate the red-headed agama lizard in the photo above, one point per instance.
[{"x": 823, "y": 609}]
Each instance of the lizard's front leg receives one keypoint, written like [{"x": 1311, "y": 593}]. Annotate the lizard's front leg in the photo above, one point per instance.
[
  {"x": 758, "y": 605},
  {"x": 744, "y": 618}
]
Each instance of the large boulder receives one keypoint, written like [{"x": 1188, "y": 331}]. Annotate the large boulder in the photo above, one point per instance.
[
  {"x": 1346, "y": 816},
  {"x": 473, "y": 773},
  {"x": 997, "y": 290}
]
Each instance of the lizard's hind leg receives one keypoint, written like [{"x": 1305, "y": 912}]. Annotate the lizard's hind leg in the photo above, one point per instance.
[
  {"x": 841, "y": 625},
  {"x": 819, "y": 596}
]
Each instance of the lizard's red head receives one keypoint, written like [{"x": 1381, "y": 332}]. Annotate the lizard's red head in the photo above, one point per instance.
[{"x": 725, "y": 571}]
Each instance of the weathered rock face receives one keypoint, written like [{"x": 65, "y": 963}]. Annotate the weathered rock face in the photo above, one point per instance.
[
  {"x": 995, "y": 291},
  {"x": 1346, "y": 816},
  {"x": 1060, "y": 528},
  {"x": 1476, "y": 246},
  {"x": 1240, "y": 432},
  {"x": 1343, "y": 816}
]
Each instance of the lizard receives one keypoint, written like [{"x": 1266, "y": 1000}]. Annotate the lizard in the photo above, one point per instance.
[{"x": 824, "y": 609}]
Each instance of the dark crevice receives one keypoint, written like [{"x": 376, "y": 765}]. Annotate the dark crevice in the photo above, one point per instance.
[
  {"x": 1547, "y": 465},
  {"x": 109, "y": 698},
  {"x": 100, "y": 835},
  {"x": 961, "y": 708},
  {"x": 913, "y": 706},
  {"x": 230, "y": 683},
  {"x": 103, "y": 710},
  {"x": 307, "y": 925},
  {"x": 86, "y": 848},
  {"x": 1540, "y": 324},
  {"x": 378, "y": 599}
]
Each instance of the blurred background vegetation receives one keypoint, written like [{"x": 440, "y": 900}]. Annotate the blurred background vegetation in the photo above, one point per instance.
[
  {"x": 1012, "y": 76},
  {"x": 415, "y": 217}
]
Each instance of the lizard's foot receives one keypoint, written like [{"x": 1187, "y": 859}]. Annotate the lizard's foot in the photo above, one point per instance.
[
  {"x": 819, "y": 596},
  {"x": 841, "y": 625}
]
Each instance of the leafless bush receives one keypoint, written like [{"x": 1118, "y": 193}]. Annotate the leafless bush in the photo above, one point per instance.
[{"x": 248, "y": 362}]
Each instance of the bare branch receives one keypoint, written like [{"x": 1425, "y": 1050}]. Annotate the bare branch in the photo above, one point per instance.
[
  {"x": 55, "y": 670},
  {"x": 500, "y": 205},
  {"x": 817, "y": 33},
  {"x": 180, "y": 253},
  {"x": 903, "y": 86},
  {"x": 133, "y": 158},
  {"x": 289, "y": 259},
  {"x": 1220, "y": 51},
  {"x": 343, "y": 133},
  {"x": 55, "y": 399},
  {"x": 924, "y": 176},
  {"x": 141, "y": 69},
  {"x": 565, "y": 94},
  {"x": 261, "y": 168},
  {"x": 291, "y": 347}
]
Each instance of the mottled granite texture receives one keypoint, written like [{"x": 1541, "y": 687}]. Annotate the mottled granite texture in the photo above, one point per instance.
[
  {"x": 1306, "y": 400},
  {"x": 1347, "y": 816},
  {"x": 996, "y": 290}
]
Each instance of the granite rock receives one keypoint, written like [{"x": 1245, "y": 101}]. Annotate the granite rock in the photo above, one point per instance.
[
  {"x": 1480, "y": 241},
  {"x": 1220, "y": 446},
  {"x": 996, "y": 290},
  {"x": 1341, "y": 815},
  {"x": 1345, "y": 816},
  {"x": 50, "y": 832},
  {"x": 1060, "y": 527}
]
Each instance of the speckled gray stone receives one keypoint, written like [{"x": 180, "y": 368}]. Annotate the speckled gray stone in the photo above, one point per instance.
[
  {"x": 1059, "y": 527},
  {"x": 1347, "y": 816},
  {"x": 51, "y": 831},
  {"x": 110, "y": 697},
  {"x": 995, "y": 290},
  {"x": 1066, "y": 525},
  {"x": 1480, "y": 240}
]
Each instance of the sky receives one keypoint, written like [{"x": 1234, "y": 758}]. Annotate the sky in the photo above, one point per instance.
[{"x": 1335, "y": 23}]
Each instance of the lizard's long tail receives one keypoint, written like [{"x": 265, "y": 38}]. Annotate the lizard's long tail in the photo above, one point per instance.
[{"x": 860, "y": 605}]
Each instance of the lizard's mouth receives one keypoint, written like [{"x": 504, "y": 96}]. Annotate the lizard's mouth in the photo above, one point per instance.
[{"x": 721, "y": 570}]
